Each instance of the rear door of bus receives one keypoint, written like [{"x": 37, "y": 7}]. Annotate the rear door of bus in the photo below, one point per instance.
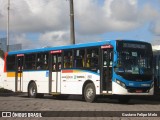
[
  {"x": 19, "y": 73},
  {"x": 54, "y": 71}
]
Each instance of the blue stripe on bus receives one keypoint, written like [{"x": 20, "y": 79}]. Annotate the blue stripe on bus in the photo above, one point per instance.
[{"x": 62, "y": 47}]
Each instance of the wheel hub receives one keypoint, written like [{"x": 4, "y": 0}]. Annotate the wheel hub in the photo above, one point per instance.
[{"x": 89, "y": 93}]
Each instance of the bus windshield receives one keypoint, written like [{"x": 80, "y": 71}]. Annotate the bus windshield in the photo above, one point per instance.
[{"x": 134, "y": 59}]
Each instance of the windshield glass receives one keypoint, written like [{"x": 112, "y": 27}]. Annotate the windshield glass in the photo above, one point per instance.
[{"x": 134, "y": 59}]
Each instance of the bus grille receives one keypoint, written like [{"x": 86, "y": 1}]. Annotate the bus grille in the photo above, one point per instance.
[{"x": 138, "y": 90}]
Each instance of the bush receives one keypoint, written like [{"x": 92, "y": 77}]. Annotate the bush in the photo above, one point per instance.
[{"x": 2, "y": 54}]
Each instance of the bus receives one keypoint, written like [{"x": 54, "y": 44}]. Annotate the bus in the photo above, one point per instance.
[
  {"x": 112, "y": 67},
  {"x": 156, "y": 66}
]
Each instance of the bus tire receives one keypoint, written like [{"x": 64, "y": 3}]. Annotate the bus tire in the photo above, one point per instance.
[
  {"x": 32, "y": 90},
  {"x": 89, "y": 93}
]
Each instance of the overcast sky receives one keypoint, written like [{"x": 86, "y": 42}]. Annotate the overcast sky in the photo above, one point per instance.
[{"x": 40, "y": 23}]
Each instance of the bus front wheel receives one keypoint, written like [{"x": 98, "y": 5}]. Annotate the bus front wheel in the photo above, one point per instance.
[
  {"x": 89, "y": 93},
  {"x": 32, "y": 90}
]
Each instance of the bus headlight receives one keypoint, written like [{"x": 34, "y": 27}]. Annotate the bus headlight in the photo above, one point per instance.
[{"x": 121, "y": 83}]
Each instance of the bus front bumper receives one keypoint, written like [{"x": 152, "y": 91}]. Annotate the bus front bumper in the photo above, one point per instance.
[{"x": 119, "y": 90}]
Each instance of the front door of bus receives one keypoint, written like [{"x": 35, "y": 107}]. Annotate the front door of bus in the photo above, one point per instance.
[
  {"x": 54, "y": 74},
  {"x": 19, "y": 73},
  {"x": 106, "y": 74}
]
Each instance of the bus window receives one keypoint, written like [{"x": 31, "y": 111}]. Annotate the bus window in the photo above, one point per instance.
[
  {"x": 56, "y": 62},
  {"x": 92, "y": 57},
  {"x": 10, "y": 63},
  {"x": 79, "y": 58},
  {"x": 42, "y": 61},
  {"x": 68, "y": 59},
  {"x": 158, "y": 63},
  {"x": 59, "y": 62},
  {"x": 30, "y": 62}
]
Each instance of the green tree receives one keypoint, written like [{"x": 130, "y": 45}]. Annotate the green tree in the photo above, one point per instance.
[{"x": 2, "y": 54}]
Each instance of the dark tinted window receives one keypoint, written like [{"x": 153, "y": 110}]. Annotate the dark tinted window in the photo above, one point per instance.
[
  {"x": 30, "y": 61},
  {"x": 79, "y": 58},
  {"x": 92, "y": 57},
  {"x": 11, "y": 63},
  {"x": 42, "y": 61},
  {"x": 68, "y": 59}
]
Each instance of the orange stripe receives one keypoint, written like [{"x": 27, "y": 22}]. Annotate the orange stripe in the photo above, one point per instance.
[
  {"x": 13, "y": 74},
  {"x": 67, "y": 71}
]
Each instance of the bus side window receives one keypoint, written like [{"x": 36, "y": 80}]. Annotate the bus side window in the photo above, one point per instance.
[
  {"x": 30, "y": 62},
  {"x": 11, "y": 63},
  {"x": 59, "y": 62},
  {"x": 79, "y": 58},
  {"x": 68, "y": 59},
  {"x": 92, "y": 57},
  {"x": 42, "y": 61},
  {"x": 54, "y": 63}
]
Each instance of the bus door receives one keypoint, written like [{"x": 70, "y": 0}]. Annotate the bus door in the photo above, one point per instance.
[
  {"x": 106, "y": 68},
  {"x": 19, "y": 72},
  {"x": 54, "y": 71}
]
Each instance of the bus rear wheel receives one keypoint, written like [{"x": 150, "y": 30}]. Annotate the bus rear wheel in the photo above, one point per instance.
[
  {"x": 32, "y": 90},
  {"x": 89, "y": 93}
]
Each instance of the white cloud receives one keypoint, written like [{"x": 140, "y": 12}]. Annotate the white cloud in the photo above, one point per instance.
[
  {"x": 114, "y": 15},
  {"x": 122, "y": 10},
  {"x": 22, "y": 38},
  {"x": 36, "y": 15},
  {"x": 54, "y": 38},
  {"x": 50, "y": 18},
  {"x": 155, "y": 28}
]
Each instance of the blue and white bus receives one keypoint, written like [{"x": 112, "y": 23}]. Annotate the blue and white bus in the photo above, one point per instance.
[
  {"x": 156, "y": 66},
  {"x": 111, "y": 67}
]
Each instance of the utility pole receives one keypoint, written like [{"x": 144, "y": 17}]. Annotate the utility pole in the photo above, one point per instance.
[
  {"x": 8, "y": 8},
  {"x": 72, "y": 32}
]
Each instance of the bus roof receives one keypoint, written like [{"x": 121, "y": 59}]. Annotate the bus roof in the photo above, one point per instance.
[{"x": 81, "y": 45}]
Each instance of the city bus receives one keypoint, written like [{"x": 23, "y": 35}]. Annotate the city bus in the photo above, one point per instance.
[
  {"x": 106, "y": 68},
  {"x": 156, "y": 66}
]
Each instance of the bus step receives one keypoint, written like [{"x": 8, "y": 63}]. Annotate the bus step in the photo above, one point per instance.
[
  {"x": 55, "y": 93},
  {"x": 106, "y": 92}
]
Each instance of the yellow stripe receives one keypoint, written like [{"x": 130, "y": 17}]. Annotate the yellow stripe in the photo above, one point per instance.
[
  {"x": 77, "y": 71},
  {"x": 10, "y": 74},
  {"x": 13, "y": 74}
]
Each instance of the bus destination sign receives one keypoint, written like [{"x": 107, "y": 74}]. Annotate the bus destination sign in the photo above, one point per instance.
[{"x": 134, "y": 45}]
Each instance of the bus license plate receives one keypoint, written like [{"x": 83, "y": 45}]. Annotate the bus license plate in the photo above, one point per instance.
[{"x": 138, "y": 91}]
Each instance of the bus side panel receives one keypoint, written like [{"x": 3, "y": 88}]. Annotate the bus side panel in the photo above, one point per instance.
[
  {"x": 9, "y": 81},
  {"x": 69, "y": 84},
  {"x": 1, "y": 72},
  {"x": 40, "y": 78},
  {"x": 72, "y": 81}
]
